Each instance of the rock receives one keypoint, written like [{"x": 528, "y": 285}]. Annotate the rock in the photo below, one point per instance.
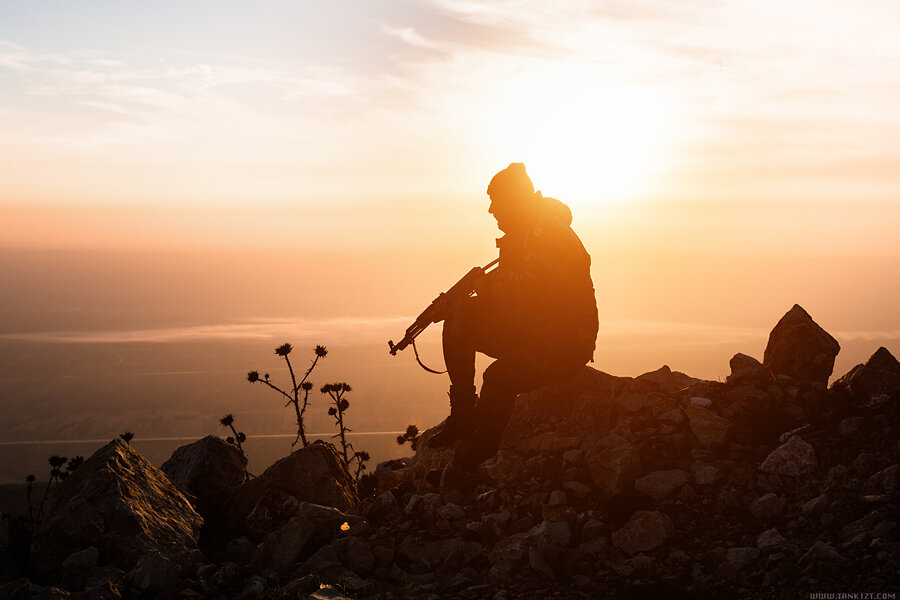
[
  {"x": 558, "y": 512},
  {"x": 360, "y": 558},
  {"x": 83, "y": 559},
  {"x": 254, "y": 589},
  {"x": 630, "y": 402},
  {"x": 882, "y": 482},
  {"x": 121, "y": 504},
  {"x": 665, "y": 380},
  {"x": 701, "y": 402},
  {"x": 738, "y": 559},
  {"x": 706, "y": 474},
  {"x": 209, "y": 472},
  {"x": 612, "y": 469},
  {"x": 661, "y": 484},
  {"x": 770, "y": 538},
  {"x": 800, "y": 349},
  {"x": 646, "y": 530},
  {"x": 559, "y": 532},
  {"x": 451, "y": 512},
  {"x": 861, "y": 526},
  {"x": 240, "y": 550},
  {"x": 504, "y": 467},
  {"x": 584, "y": 401},
  {"x": 537, "y": 562},
  {"x": 577, "y": 489},
  {"x": 281, "y": 548},
  {"x": 17, "y": 589},
  {"x": 815, "y": 507},
  {"x": 155, "y": 574},
  {"x": 746, "y": 370},
  {"x": 328, "y": 592},
  {"x": 710, "y": 429},
  {"x": 768, "y": 507},
  {"x": 672, "y": 417},
  {"x": 880, "y": 375},
  {"x": 795, "y": 458},
  {"x": 312, "y": 474},
  {"x": 821, "y": 552},
  {"x": 850, "y": 426}
]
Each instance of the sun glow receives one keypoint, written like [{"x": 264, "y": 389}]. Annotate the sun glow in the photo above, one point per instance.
[{"x": 592, "y": 145}]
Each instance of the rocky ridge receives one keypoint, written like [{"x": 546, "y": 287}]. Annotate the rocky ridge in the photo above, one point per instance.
[{"x": 768, "y": 484}]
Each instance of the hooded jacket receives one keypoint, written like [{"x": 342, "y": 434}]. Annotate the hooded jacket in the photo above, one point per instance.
[{"x": 541, "y": 291}]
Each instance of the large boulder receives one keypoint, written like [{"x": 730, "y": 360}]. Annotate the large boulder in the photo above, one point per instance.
[
  {"x": 800, "y": 349},
  {"x": 120, "y": 503},
  {"x": 208, "y": 472},
  {"x": 313, "y": 474},
  {"x": 878, "y": 375},
  {"x": 583, "y": 402}
]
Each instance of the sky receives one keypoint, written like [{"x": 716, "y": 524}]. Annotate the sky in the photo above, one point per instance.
[{"x": 298, "y": 123}]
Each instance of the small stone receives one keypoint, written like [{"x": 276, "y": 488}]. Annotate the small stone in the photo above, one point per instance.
[
  {"x": 593, "y": 528},
  {"x": 767, "y": 507},
  {"x": 821, "y": 552},
  {"x": 795, "y": 458},
  {"x": 631, "y": 402},
  {"x": 360, "y": 557},
  {"x": 660, "y": 484},
  {"x": 573, "y": 456},
  {"x": 882, "y": 482},
  {"x": 701, "y": 402},
  {"x": 672, "y": 417},
  {"x": 815, "y": 507},
  {"x": 539, "y": 563},
  {"x": 850, "y": 426},
  {"x": 154, "y": 573},
  {"x": 557, "y": 497},
  {"x": 558, "y": 512},
  {"x": 612, "y": 469},
  {"x": 560, "y": 532},
  {"x": 645, "y": 531},
  {"x": 451, "y": 512},
  {"x": 578, "y": 489},
  {"x": 770, "y": 538},
  {"x": 860, "y": 526},
  {"x": 710, "y": 429},
  {"x": 83, "y": 559},
  {"x": 706, "y": 474},
  {"x": 740, "y": 558}
]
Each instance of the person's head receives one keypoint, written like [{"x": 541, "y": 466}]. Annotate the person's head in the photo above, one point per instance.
[{"x": 512, "y": 197}]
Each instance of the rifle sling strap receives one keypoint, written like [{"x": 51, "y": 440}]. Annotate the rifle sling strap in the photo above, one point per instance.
[{"x": 421, "y": 364}]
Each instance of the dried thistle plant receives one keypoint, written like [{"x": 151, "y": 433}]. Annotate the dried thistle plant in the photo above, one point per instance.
[{"x": 298, "y": 395}]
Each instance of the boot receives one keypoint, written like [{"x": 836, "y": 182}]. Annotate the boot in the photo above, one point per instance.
[{"x": 461, "y": 422}]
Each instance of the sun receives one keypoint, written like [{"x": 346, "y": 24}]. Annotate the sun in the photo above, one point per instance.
[{"x": 593, "y": 145}]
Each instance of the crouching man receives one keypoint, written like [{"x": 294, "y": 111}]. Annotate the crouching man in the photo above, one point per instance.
[{"x": 535, "y": 313}]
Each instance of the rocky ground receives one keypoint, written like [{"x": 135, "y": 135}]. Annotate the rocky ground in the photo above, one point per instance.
[{"x": 767, "y": 485}]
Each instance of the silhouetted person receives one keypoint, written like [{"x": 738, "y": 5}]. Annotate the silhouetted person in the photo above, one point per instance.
[{"x": 535, "y": 313}]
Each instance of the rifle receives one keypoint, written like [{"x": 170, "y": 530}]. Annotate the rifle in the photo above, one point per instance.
[{"x": 463, "y": 288}]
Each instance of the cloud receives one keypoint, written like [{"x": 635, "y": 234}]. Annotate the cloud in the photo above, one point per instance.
[{"x": 408, "y": 35}]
